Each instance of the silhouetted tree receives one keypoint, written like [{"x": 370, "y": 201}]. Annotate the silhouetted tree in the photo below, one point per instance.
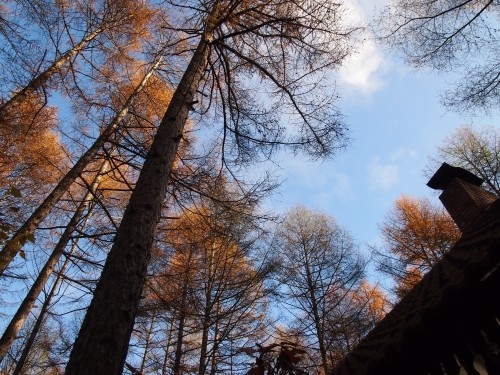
[
  {"x": 319, "y": 268},
  {"x": 476, "y": 150},
  {"x": 450, "y": 36}
]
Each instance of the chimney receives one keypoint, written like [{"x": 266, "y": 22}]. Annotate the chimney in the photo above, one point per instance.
[{"x": 462, "y": 195}]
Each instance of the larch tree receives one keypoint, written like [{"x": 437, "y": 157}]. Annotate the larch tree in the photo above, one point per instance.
[
  {"x": 231, "y": 291},
  {"x": 450, "y": 36},
  {"x": 31, "y": 157},
  {"x": 213, "y": 283},
  {"x": 474, "y": 149},
  {"x": 17, "y": 322},
  {"x": 287, "y": 46},
  {"x": 100, "y": 179},
  {"x": 416, "y": 235},
  {"x": 111, "y": 42},
  {"x": 68, "y": 29},
  {"x": 41, "y": 357},
  {"x": 14, "y": 244},
  {"x": 175, "y": 290},
  {"x": 31, "y": 160},
  {"x": 319, "y": 267},
  {"x": 29, "y": 344},
  {"x": 355, "y": 313}
]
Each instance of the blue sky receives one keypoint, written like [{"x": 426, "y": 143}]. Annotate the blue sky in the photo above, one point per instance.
[{"x": 396, "y": 122}]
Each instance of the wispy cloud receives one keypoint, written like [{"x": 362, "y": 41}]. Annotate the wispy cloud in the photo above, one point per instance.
[
  {"x": 364, "y": 70},
  {"x": 382, "y": 176}
]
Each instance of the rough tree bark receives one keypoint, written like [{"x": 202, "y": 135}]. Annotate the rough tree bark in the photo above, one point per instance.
[{"x": 101, "y": 346}]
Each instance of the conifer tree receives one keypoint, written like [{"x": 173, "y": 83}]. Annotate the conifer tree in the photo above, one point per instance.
[{"x": 286, "y": 45}]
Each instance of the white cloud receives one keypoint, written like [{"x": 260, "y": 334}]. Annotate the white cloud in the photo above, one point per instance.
[
  {"x": 363, "y": 71},
  {"x": 382, "y": 176}
]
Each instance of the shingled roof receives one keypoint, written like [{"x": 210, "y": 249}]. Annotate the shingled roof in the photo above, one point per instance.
[{"x": 452, "y": 314}]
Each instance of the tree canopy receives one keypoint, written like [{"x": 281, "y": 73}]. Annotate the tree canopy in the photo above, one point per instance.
[
  {"x": 321, "y": 269},
  {"x": 416, "y": 235},
  {"x": 130, "y": 226},
  {"x": 285, "y": 44},
  {"x": 474, "y": 149},
  {"x": 450, "y": 36}
]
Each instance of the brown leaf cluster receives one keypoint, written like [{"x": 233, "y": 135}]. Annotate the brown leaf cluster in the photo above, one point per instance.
[
  {"x": 31, "y": 152},
  {"x": 417, "y": 233}
]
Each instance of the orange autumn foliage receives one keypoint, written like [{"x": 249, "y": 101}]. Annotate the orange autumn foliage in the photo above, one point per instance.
[
  {"x": 417, "y": 234},
  {"x": 202, "y": 253},
  {"x": 372, "y": 300},
  {"x": 31, "y": 153},
  {"x": 139, "y": 129}
]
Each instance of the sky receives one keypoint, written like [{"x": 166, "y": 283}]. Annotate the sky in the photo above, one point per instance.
[{"x": 396, "y": 121}]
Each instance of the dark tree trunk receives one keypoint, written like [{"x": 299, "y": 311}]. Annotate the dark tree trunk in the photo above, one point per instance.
[
  {"x": 101, "y": 346},
  {"x": 148, "y": 343},
  {"x": 204, "y": 342},
  {"x": 317, "y": 319},
  {"x": 176, "y": 369},
  {"x": 182, "y": 317},
  {"x": 215, "y": 348},
  {"x": 167, "y": 349}
]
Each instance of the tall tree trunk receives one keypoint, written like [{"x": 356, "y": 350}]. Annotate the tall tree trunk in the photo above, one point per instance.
[
  {"x": 176, "y": 368},
  {"x": 15, "y": 243},
  {"x": 101, "y": 346},
  {"x": 215, "y": 347},
  {"x": 182, "y": 317},
  {"x": 41, "y": 79},
  {"x": 24, "y": 309},
  {"x": 317, "y": 318},
  {"x": 206, "y": 321},
  {"x": 204, "y": 342}
]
